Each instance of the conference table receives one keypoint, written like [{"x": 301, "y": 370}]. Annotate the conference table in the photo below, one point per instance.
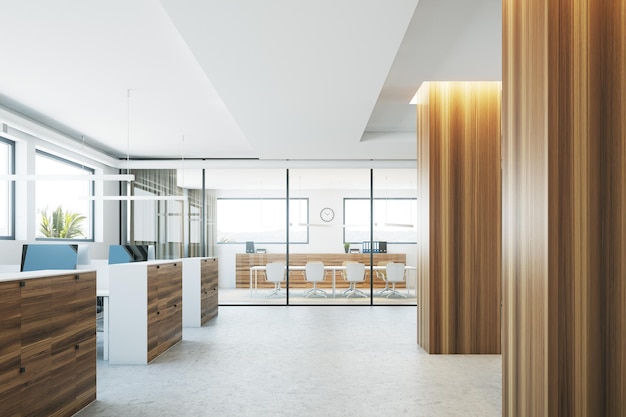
[{"x": 254, "y": 270}]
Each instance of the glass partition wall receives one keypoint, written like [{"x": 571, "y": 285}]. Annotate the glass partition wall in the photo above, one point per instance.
[
  {"x": 266, "y": 225},
  {"x": 395, "y": 236},
  {"x": 318, "y": 272},
  {"x": 251, "y": 234}
]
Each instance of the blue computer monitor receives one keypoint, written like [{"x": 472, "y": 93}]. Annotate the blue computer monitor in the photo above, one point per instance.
[
  {"x": 120, "y": 254},
  {"x": 48, "y": 256}
]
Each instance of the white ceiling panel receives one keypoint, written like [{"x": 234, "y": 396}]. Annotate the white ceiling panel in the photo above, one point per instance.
[{"x": 272, "y": 79}]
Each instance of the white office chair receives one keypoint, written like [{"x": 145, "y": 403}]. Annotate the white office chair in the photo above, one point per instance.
[
  {"x": 355, "y": 273},
  {"x": 395, "y": 273},
  {"x": 382, "y": 274},
  {"x": 343, "y": 275},
  {"x": 314, "y": 272},
  {"x": 275, "y": 272}
]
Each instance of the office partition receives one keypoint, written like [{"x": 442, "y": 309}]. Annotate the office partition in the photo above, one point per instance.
[{"x": 248, "y": 218}]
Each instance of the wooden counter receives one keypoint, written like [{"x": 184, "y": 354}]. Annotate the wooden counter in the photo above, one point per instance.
[
  {"x": 243, "y": 262},
  {"x": 47, "y": 342}
]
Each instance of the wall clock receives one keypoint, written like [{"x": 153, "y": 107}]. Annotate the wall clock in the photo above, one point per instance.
[{"x": 327, "y": 214}]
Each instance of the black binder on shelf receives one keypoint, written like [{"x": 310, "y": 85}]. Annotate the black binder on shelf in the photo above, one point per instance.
[
  {"x": 382, "y": 247},
  {"x": 374, "y": 247},
  {"x": 249, "y": 247},
  {"x": 365, "y": 247}
]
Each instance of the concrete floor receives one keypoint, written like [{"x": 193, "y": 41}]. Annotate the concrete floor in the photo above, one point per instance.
[{"x": 302, "y": 361}]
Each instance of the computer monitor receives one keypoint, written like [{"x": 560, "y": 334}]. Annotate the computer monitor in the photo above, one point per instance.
[
  {"x": 120, "y": 254},
  {"x": 48, "y": 256}
]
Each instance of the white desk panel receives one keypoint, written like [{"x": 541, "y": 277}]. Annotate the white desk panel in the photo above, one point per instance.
[
  {"x": 128, "y": 314},
  {"x": 192, "y": 292}
]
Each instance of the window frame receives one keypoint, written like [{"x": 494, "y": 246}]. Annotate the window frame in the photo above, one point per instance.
[
  {"x": 40, "y": 152},
  {"x": 283, "y": 199},
  {"x": 11, "y": 189},
  {"x": 368, "y": 200}
]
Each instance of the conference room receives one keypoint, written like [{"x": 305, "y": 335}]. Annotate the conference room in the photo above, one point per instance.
[{"x": 297, "y": 219}]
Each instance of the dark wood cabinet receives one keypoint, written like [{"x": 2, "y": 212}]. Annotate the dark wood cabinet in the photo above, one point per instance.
[
  {"x": 165, "y": 308},
  {"x": 209, "y": 289},
  {"x": 48, "y": 344}
]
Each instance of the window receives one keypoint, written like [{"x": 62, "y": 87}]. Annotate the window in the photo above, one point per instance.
[
  {"x": 261, "y": 220},
  {"x": 64, "y": 210},
  {"x": 394, "y": 220},
  {"x": 7, "y": 189}
]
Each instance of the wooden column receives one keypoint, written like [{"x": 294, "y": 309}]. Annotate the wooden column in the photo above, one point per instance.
[
  {"x": 459, "y": 247},
  {"x": 564, "y": 208}
]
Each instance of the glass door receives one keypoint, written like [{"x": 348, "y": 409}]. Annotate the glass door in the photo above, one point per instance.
[
  {"x": 324, "y": 238},
  {"x": 250, "y": 233},
  {"x": 394, "y": 245}
]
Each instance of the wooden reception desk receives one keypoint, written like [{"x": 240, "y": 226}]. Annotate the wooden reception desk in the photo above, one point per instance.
[{"x": 244, "y": 261}]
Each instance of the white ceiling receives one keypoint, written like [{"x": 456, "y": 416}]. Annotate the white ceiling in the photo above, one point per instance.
[{"x": 271, "y": 79}]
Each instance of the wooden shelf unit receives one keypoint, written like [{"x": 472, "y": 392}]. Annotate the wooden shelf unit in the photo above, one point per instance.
[{"x": 244, "y": 261}]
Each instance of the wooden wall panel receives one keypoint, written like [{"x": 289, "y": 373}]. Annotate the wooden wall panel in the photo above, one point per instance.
[
  {"x": 461, "y": 182},
  {"x": 423, "y": 219},
  {"x": 524, "y": 212},
  {"x": 564, "y": 208}
]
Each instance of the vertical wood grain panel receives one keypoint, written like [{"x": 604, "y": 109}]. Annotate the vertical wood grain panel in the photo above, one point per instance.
[
  {"x": 165, "y": 319},
  {"x": 85, "y": 369},
  {"x": 209, "y": 288},
  {"x": 564, "y": 293},
  {"x": 460, "y": 179},
  {"x": 524, "y": 209},
  {"x": 611, "y": 22},
  {"x": 423, "y": 220}
]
